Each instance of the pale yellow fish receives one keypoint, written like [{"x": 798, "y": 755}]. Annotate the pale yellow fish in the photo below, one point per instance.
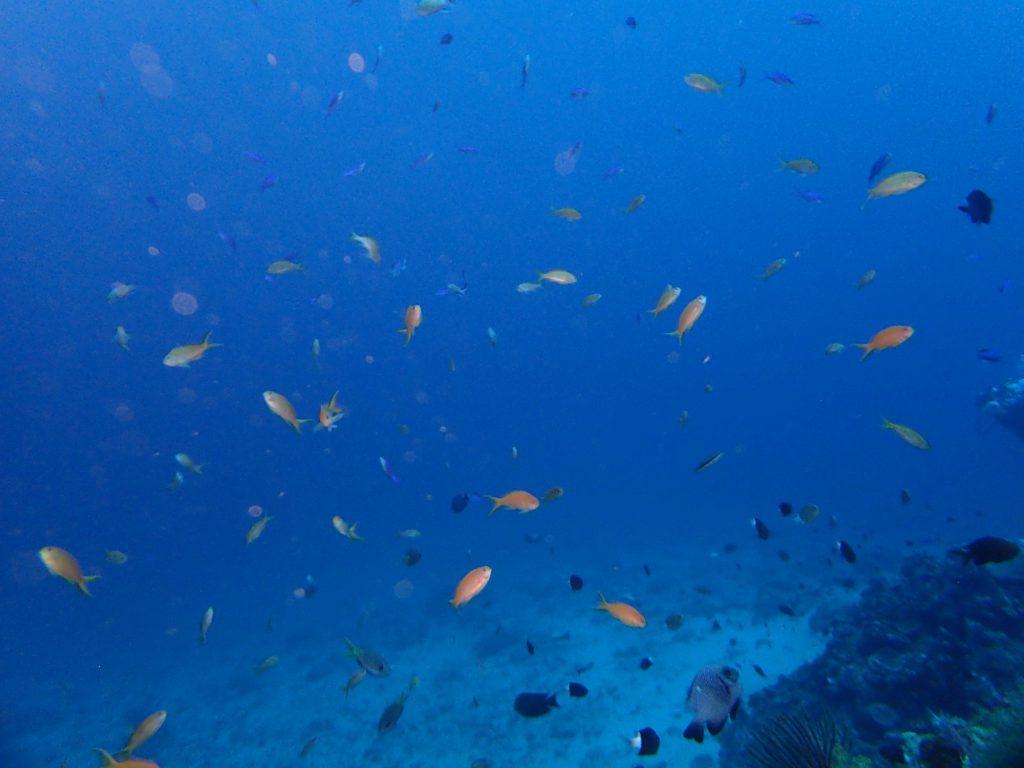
[
  {"x": 772, "y": 268},
  {"x": 116, "y": 557},
  {"x": 527, "y": 287},
  {"x": 809, "y": 513},
  {"x": 704, "y": 83},
  {"x": 590, "y": 300},
  {"x": 866, "y": 278},
  {"x": 268, "y": 663},
  {"x": 204, "y": 624},
  {"x": 180, "y": 357},
  {"x": 144, "y": 731},
  {"x": 346, "y": 530},
  {"x": 316, "y": 352},
  {"x": 557, "y": 276},
  {"x": 896, "y": 184},
  {"x": 281, "y": 406},
  {"x": 909, "y": 435},
  {"x": 409, "y": 533},
  {"x": 635, "y": 203},
  {"x": 186, "y": 461},
  {"x": 122, "y": 338},
  {"x": 256, "y": 529},
  {"x": 119, "y": 290},
  {"x": 283, "y": 267},
  {"x": 60, "y": 562},
  {"x": 667, "y": 299},
  {"x": 834, "y": 347},
  {"x": 370, "y": 245},
  {"x": 803, "y": 166},
  {"x": 569, "y": 214}
]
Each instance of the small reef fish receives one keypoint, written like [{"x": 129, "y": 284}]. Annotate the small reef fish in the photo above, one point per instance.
[
  {"x": 187, "y": 463},
  {"x": 269, "y": 182},
  {"x": 803, "y": 166},
  {"x": 335, "y": 101},
  {"x": 667, "y": 299},
  {"x": 143, "y": 732},
  {"x": 896, "y": 184},
  {"x": 116, "y": 557},
  {"x": 411, "y": 557},
  {"x": 557, "y": 276},
  {"x": 846, "y": 552},
  {"x": 989, "y": 355},
  {"x": 772, "y": 268},
  {"x": 346, "y": 530},
  {"x": 330, "y": 414},
  {"x": 122, "y": 338},
  {"x": 553, "y": 493},
  {"x": 704, "y": 83},
  {"x": 256, "y": 529},
  {"x": 979, "y": 207},
  {"x": 878, "y": 166},
  {"x": 887, "y": 338},
  {"x": 410, "y": 533},
  {"x": 471, "y": 585},
  {"x": 281, "y": 406},
  {"x": 714, "y": 697},
  {"x": 812, "y": 197},
  {"x": 284, "y": 267},
  {"x": 119, "y": 290},
  {"x": 688, "y": 317},
  {"x": 107, "y": 760},
  {"x": 624, "y": 612},
  {"x": 357, "y": 677},
  {"x": 413, "y": 318},
  {"x": 355, "y": 170},
  {"x": 181, "y": 357},
  {"x": 808, "y": 513},
  {"x": 368, "y": 659},
  {"x": 176, "y": 482},
  {"x": 535, "y": 704},
  {"x": 990, "y": 114},
  {"x": 459, "y": 502},
  {"x": 646, "y": 741},
  {"x": 866, "y": 279},
  {"x": 569, "y": 214},
  {"x": 393, "y": 712},
  {"x": 204, "y": 625},
  {"x": 590, "y": 300},
  {"x": 60, "y": 562},
  {"x": 268, "y": 663},
  {"x": 907, "y": 434},
  {"x": 370, "y": 246},
  {"x": 635, "y": 203},
  {"x": 987, "y": 549},
  {"x": 307, "y": 747},
  {"x": 525, "y": 71},
  {"x": 520, "y": 501},
  {"x": 388, "y": 470},
  {"x": 834, "y": 348},
  {"x": 430, "y": 7},
  {"x": 780, "y": 78},
  {"x": 762, "y": 530},
  {"x": 709, "y": 462},
  {"x": 492, "y": 336},
  {"x": 804, "y": 19},
  {"x": 527, "y": 287}
]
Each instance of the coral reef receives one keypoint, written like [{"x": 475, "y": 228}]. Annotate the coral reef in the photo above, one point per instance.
[
  {"x": 1006, "y": 402},
  {"x": 908, "y": 664},
  {"x": 998, "y": 735}
]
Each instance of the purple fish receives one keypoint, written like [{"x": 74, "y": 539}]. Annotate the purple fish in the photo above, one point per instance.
[
  {"x": 812, "y": 197},
  {"x": 335, "y": 101},
  {"x": 989, "y": 355},
  {"x": 804, "y": 19},
  {"x": 579, "y": 93},
  {"x": 254, "y": 157},
  {"x": 421, "y": 160},
  {"x": 469, "y": 149},
  {"x": 631, "y": 22},
  {"x": 356, "y": 170},
  {"x": 228, "y": 239},
  {"x": 878, "y": 166},
  {"x": 615, "y": 170},
  {"x": 780, "y": 78},
  {"x": 446, "y": 38},
  {"x": 388, "y": 470},
  {"x": 743, "y": 76},
  {"x": 152, "y": 201},
  {"x": 270, "y": 180},
  {"x": 714, "y": 697}
]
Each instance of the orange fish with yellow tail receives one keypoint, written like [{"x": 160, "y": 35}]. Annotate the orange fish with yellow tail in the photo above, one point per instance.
[
  {"x": 667, "y": 299},
  {"x": 624, "y": 612},
  {"x": 688, "y": 317},
  {"x": 60, "y": 562},
  {"x": 887, "y": 338},
  {"x": 132, "y": 762},
  {"x": 471, "y": 585},
  {"x": 520, "y": 501},
  {"x": 330, "y": 414},
  {"x": 413, "y": 318},
  {"x": 281, "y": 406}
]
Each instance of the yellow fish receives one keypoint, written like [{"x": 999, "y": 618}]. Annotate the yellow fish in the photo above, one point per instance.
[
  {"x": 667, "y": 299},
  {"x": 635, "y": 203},
  {"x": 116, "y": 557},
  {"x": 256, "y": 530},
  {"x": 527, "y": 287},
  {"x": 144, "y": 731},
  {"x": 413, "y": 318},
  {"x": 909, "y": 435},
  {"x": 180, "y": 357},
  {"x": 590, "y": 300},
  {"x": 186, "y": 461},
  {"x": 283, "y": 267},
  {"x": 346, "y": 530},
  {"x": 704, "y": 83},
  {"x": 803, "y": 166},
  {"x": 119, "y": 290},
  {"x": 60, "y": 562},
  {"x": 370, "y": 245},
  {"x": 896, "y": 184},
  {"x": 557, "y": 276},
  {"x": 281, "y": 406},
  {"x": 569, "y": 214}
]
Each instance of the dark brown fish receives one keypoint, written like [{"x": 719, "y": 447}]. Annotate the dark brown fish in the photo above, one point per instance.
[
  {"x": 674, "y": 622},
  {"x": 710, "y": 462},
  {"x": 552, "y": 494},
  {"x": 988, "y": 549},
  {"x": 308, "y": 747},
  {"x": 389, "y": 717},
  {"x": 714, "y": 697},
  {"x": 368, "y": 659}
]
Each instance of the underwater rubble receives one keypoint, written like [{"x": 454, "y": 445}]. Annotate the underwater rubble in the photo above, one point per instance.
[
  {"x": 925, "y": 670},
  {"x": 1005, "y": 403}
]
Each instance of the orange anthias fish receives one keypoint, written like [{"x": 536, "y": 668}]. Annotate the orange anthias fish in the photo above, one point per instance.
[
  {"x": 131, "y": 762},
  {"x": 60, "y": 562},
  {"x": 330, "y": 414},
  {"x": 887, "y": 338},
  {"x": 667, "y": 299},
  {"x": 690, "y": 314},
  {"x": 471, "y": 585},
  {"x": 281, "y": 406},
  {"x": 627, "y": 614},
  {"x": 180, "y": 357},
  {"x": 520, "y": 501},
  {"x": 413, "y": 318},
  {"x": 144, "y": 731}
]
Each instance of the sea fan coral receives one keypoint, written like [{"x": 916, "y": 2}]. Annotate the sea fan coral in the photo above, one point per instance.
[{"x": 800, "y": 741}]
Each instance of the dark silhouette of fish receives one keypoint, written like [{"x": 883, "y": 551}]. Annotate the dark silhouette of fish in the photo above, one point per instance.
[
  {"x": 987, "y": 549},
  {"x": 460, "y": 502},
  {"x": 535, "y": 704},
  {"x": 979, "y": 207},
  {"x": 780, "y": 78},
  {"x": 646, "y": 742},
  {"x": 989, "y": 355},
  {"x": 714, "y": 697},
  {"x": 990, "y": 114},
  {"x": 631, "y": 22},
  {"x": 878, "y": 166},
  {"x": 846, "y": 551}
]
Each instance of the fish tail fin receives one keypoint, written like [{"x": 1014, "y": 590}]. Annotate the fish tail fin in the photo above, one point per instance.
[
  {"x": 105, "y": 756},
  {"x": 497, "y": 504},
  {"x": 960, "y": 552},
  {"x": 333, "y": 405},
  {"x": 83, "y": 585},
  {"x": 453, "y": 604},
  {"x": 695, "y": 731},
  {"x": 352, "y": 533},
  {"x": 298, "y": 425},
  {"x": 353, "y": 649},
  {"x": 886, "y": 424},
  {"x": 408, "y": 335},
  {"x": 552, "y": 700},
  {"x": 868, "y": 349},
  {"x": 604, "y": 603}
]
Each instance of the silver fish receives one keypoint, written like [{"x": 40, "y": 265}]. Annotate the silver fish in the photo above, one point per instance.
[
  {"x": 714, "y": 697},
  {"x": 374, "y": 664}
]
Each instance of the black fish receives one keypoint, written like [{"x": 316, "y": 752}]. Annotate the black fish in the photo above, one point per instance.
[
  {"x": 646, "y": 663},
  {"x": 846, "y": 551},
  {"x": 785, "y": 508},
  {"x": 575, "y": 583},
  {"x": 979, "y": 207},
  {"x": 446, "y": 38},
  {"x": 578, "y": 690},
  {"x": 535, "y": 704},
  {"x": 757, "y": 668},
  {"x": 787, "y": 609},
  {"x": 988, "y": 549},
  {"x": 878, "y": 166},
  {"x": 460, "y": 502},
  {"x": 761, "y": 528},
  {"x": 990, "y": 114},
  {"x": 631, "y": 22},
  {"x": 529, "y": 647},
  {"x": 647, "y": 569},
  {"x": 412, "y": 557},
  {"x": 646, "y": 742},
  {"x": 389, "y": 717},
  {"x": 905, "y": 497}
]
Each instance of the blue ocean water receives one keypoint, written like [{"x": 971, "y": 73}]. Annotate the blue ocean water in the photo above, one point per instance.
[{"x": 105, "y": 105}]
